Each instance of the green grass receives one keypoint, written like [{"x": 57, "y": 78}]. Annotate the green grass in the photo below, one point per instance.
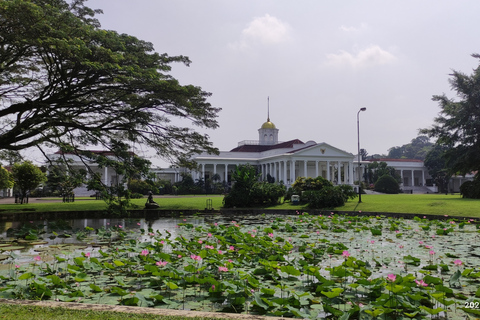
[
  {"x": 87, "y": 204},
  {"x": 423, "y": 204},
  {"x": 29, "y": 312}
]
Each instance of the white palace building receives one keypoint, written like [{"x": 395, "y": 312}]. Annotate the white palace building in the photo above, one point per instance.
[{"x": 284, "y": 161}]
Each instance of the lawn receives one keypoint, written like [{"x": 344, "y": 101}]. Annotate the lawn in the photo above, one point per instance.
[
  {"x": 424, "y": 204},
  {"x": 29, "y": 312}
]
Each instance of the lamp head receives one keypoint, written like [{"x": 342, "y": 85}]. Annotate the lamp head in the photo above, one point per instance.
[{"x": 363, "y": 109}]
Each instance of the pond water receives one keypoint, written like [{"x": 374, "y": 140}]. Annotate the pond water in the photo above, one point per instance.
[{"x": 298, "y": 266}]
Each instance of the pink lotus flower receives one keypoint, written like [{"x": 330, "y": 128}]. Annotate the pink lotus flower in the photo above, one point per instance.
[
  {"x": 179, "y": 256},
  {"x": 120, "y": 226},
  {"x": 458, "y": 262},
  {"x": 197, "y": 258},
  {"x": 230, "y": 260},
  {"x": 220, "y": 252},
  {"x": 421, "y": 283},
  {"x": 231, "y": 248},
  {"x": 17, "y": 266},
  {"x": 391, "y": 277},
  {"x": 431, "y": 252},
  {"x": 420, "y": 242},
  {"x": 144, "y": 253},
  {"x": 37, "y": 258},
  {"x": 208, "y": 247},
  {"x": 215, "y": 224},
  {"x": 138, "y": 223},
  {"x": 223, "y": 269},
  {"x": 345, "y": 254},
  {"x": 162, "y": 242},
  {"x": 200, "y": 241},
  {"x": 161, "y": 263},
  {"x": 372, "y": 241},
  {"x": 213, "y": 287},
  {"x": 270, "y": 235},
  {"x": 209, "y": 235},
  {"x": 87, "y": 254},
  {"x": 428, "y": 247}
]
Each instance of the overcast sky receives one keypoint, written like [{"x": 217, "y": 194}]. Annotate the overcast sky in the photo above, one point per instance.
[{"x": 318, "y": 61}]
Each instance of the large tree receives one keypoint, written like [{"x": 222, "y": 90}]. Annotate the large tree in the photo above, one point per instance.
[
  {"x": 27, "y": 177},
  {"x": 66, "y": 82},
  {"x": 458, "y": 125}
]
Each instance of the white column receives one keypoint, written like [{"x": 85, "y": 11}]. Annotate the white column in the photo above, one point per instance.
[
  {"x": 316, "y": 168},
  {"x": 226, "y": 173},
  {"x": 203, "y": 171},
  {"x": 412, "y": 178},
  {"x": 275, "y": 171},
  {"x": 292, "y": 171},
  {"x": 339, "y": 173},
  {"x": 423, "y": 178},
  {"x": 345, "y": 175},
  {"x": 285, "y": 171},
  {"x": 350, "y": 173},
  {"x": 214, "y": 169},
  {"x": 106, "y": 176},
  {"x": 328, "y": 170},
  {"x": 305, "y": 168}
]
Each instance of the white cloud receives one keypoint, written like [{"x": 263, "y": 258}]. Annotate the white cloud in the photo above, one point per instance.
[
  {"x": 362, "y": 27},
  {"x": 371, "y": 56},
  {"x": 266, "y": 30}
]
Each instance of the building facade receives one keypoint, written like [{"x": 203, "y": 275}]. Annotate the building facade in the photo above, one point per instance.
[{"x": 284, "y": 161}]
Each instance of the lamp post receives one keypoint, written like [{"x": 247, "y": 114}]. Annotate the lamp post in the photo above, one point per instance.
[{"x": 359, "y": 163}]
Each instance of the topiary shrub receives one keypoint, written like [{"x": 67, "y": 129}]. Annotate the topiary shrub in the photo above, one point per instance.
[{"x": 387, "y": 184}]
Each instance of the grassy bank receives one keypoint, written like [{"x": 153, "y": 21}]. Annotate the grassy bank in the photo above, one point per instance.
[
  {"x": 425, "y": 204},
  {"x": 29, "y": 312}
]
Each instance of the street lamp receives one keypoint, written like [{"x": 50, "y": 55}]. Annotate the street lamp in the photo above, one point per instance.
[{"x": 359, "y": 163}]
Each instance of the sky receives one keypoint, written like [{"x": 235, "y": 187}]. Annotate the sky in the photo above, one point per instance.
[{"x": 318, "y": 61}]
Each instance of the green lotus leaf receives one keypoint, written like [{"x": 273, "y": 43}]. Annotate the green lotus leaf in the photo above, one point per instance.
[{"x": 431, "y": 311}]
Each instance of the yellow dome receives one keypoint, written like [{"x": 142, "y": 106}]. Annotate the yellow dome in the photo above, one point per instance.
[{"x": 268, "y": 125}]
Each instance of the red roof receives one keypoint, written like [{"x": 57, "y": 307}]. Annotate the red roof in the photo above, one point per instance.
[{"x": 260, "y": 148}]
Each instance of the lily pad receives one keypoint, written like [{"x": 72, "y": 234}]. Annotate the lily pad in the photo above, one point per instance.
[{"x": 11, "y": 248}]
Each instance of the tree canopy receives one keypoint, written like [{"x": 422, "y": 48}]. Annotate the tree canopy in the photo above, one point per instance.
[
  {"x": 458, "y": 125},
  {"x": 416, "y": 149},
  {"x": 27, "y": 176},
  {"x": 66, "y": 82}
]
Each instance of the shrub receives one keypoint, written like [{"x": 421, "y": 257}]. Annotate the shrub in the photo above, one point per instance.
[
  {"x": 247, "y": 191},
  {"x": 387, "y": 184},
  {"x": 141, "y": 186},
  {"x": 328, "y": 197},
  {"x": 471, "y": 189},
  {"x": 136, "y": 195}
]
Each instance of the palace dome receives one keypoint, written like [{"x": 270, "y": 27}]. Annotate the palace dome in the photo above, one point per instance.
[{"x": 268, "y": 125}]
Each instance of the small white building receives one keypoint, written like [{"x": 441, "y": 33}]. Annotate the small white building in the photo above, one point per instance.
[{"x": 108, "y": 175}]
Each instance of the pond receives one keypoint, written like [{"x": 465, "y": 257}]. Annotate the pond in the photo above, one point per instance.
[{"x": 303, "y": 266}]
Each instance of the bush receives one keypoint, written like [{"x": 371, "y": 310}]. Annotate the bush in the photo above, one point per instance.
[
  {"x": 136, "y": 195},
  {"x": 328, "y": 197},
  {"x": 471, "y": 189},
  {"x": 247, "y": 191},
  {"x": 141, "y": 186},
  {"x": 387, "y": 184}
]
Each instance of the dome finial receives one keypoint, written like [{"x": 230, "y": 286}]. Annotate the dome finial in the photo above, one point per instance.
[{"x": 268, "y": 109}]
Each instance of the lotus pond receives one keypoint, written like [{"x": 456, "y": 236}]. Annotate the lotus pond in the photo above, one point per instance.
[{"x": 316, "y": 267}]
